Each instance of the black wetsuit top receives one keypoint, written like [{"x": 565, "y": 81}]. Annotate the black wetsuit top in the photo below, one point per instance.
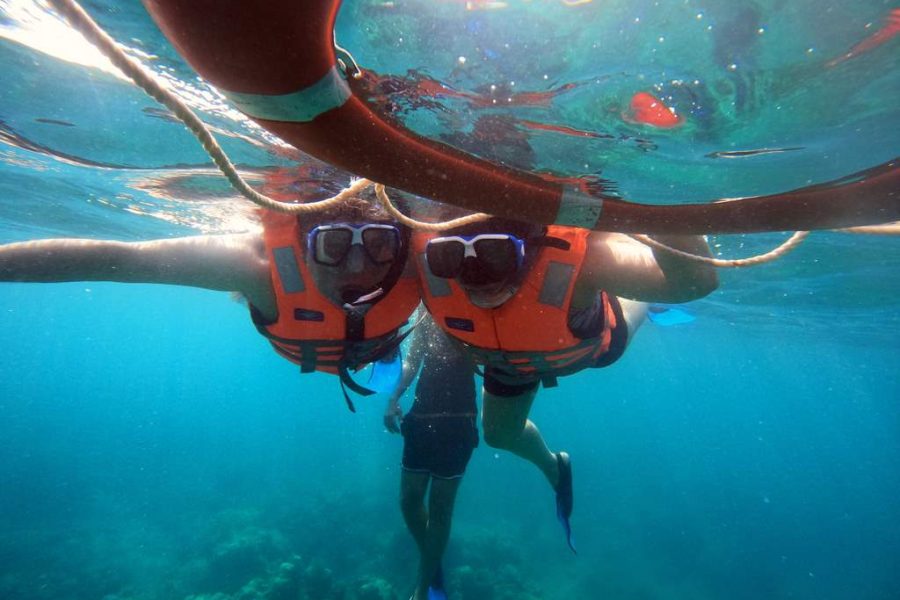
[
  {"x": 440, "y": 430},
  {"x": 446, "y": 385}
]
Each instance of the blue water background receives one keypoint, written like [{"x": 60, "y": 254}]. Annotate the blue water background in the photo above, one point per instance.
[{"x": 152, "y": 446}]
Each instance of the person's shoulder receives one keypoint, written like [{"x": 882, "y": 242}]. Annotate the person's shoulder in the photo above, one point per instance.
[
  {"x": 603, "y": 246},
  {"x": 239, "y": 247}
]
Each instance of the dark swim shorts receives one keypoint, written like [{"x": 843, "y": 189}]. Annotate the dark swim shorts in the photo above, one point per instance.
[
  {"x": 438, "y": 445},
  {"x": 495, "y": 383}
]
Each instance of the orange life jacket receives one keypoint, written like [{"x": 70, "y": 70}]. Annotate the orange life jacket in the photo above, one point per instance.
[
  {"x": 527, "y": 338},
  {"x": 312, "y": 331}
]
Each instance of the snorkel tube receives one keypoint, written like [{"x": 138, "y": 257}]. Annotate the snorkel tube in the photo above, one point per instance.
[{"x": 276, "y": 62}]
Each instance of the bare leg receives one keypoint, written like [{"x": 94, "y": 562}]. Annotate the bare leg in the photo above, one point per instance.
[
  {"x": 412, "y": 504},
  {"x": 635, "y": 315},
  {"x": 505, "y": 418},
  {"x": 440, "y": 516},
  {"x": 506, "y": 426}
]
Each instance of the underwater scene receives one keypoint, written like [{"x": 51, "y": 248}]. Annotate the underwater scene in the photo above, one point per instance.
[{"x": 746, "y": 446}]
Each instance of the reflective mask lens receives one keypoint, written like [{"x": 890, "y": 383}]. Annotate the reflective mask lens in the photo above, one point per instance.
[
  {"x": 382, "y": 244},
  {"x": 445, "y": 256},
  {"x": 498, "y": 258},
  {"x": 495, "y": 256},
  {"x": 330, "y": 244}
]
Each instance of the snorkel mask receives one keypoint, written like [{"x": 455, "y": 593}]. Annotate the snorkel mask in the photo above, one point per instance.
[{"x": 479, "y": 259}]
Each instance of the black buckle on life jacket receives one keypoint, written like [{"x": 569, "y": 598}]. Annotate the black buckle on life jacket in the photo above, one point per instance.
[{"x": 355, "y": 321}]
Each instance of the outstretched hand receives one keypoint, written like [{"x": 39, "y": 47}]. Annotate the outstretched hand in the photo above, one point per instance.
[{"x": 392, "y": 415}]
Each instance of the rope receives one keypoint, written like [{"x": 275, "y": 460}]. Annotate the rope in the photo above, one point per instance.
[
  {"x": 83, "y": 23},
  {"x": 791, "y": 243},
  {"x": 346, "y": 60},
  {"x": 382, "y": 196}
]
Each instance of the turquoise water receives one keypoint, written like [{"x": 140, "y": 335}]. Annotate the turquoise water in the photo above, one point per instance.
[{"x": 152, "y": 446}]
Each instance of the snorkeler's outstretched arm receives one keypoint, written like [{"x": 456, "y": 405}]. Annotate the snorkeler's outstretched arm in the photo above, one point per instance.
[
  {"x": 623, "y": 266},
  {"x": 222, "y": 262}
]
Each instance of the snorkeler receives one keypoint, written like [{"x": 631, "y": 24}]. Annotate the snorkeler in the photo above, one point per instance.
[
  {"x": 439, "y": 435},
  {"x": 531, "y": 304},
  {"x": 330, "y": 291}
]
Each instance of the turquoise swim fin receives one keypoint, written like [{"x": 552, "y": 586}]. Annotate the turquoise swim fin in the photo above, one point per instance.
[
  {"x": 668, "y": 315},
  {"x": 385, "y": 376}
]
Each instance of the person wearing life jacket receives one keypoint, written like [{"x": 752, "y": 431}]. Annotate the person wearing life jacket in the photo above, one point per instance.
[
  {"x": 330, "y": 290},
  {"x": 530, "y": 304},
  {"x": 343, "y": 293}
]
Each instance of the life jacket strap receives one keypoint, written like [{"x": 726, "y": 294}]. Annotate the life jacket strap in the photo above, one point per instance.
[
  {"x": 355, "y": 322},
  {"x": 347, "y": 399}
]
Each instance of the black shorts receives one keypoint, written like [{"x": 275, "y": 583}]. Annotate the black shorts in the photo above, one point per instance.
[
  {"x": 495, "y": 383},
  {"x": 499, "y": 384},
  {"x": 438, "y": 445},
  {"x": 619, "y": 336}
]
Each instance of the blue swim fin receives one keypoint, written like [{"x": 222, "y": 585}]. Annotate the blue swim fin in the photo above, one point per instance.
[
  {"x": 385, "y": 375},
  {"x": 436, "y": 589},
  {"x": 436, "y": 593},
  {"x": 668, "y": 315}
]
